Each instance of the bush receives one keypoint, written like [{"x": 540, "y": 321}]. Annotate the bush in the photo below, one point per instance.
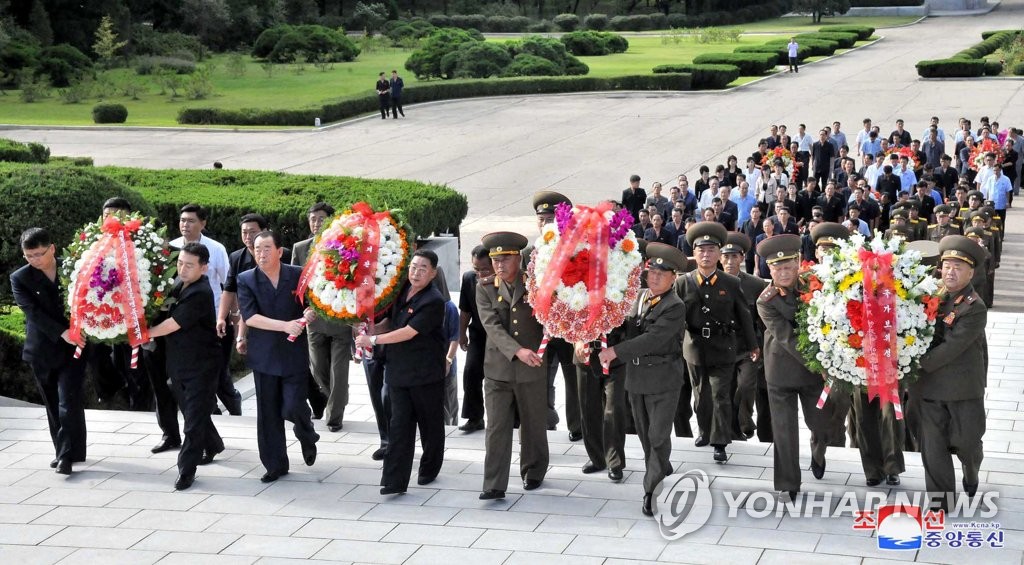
[
  {"x": 636, "y": 22},
  {"x": 782, "y": 51},
  {"x": 749, "y": 64},
  {"x": 469, "y": 21},
  {"x": 883, "y": 3},
  {"x": 863, "y": 32},
  {"x": 439, "y": 20},
  {"x": 814, "y": 47},
  {"x": 951, "y": 68},
  {"x": 596, "y": 22},
  {"x": 988, "y": 34},
  {"x": 309, "y": 43},
  {"x": 567, "y": 22},
  {"x": 267, "y": 40},
  {"x": 531, "y": 65},
  {"x": 428, "y": 92},
  {"x": 63, "y": 64},
  {"x": 550, "y": 49},
  {"x": 590, "y": 43},
  {"x": 1018, "y": 69},
  {"x": 109, "y": 114},
  {"x": 845, "y": 40},
  {"x": 542, "y": 26},
  {"x": 425, "y": 62},
  {"x": 476, "y": 59},
  {"x": 705, "y": 77},
  {"x": 506, "y": 24},
  {"x": 146, "y": 41},
  {"x": 16, "y": 152},
  {"x": 151, "y": 65},
  {"x": 993, "y": 68}
]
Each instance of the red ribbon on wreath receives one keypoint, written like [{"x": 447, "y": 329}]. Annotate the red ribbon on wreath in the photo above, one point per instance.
[
  {"x": 589, "y": 226},
  {"x": 879, "y": 322}
]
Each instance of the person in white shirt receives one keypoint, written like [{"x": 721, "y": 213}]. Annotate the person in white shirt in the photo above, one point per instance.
[
  {"x": 708, "y": 195},
  {"x": 793, "y": 52},
  {"x": 838, "y": 138},
  {"x": 935, "y": 123},
  {"x": 986, "y": 171},
  {"x": 753, "y": 172},
  {"x": 863, "y": 134},
  {"x": 803, "y": 139},
  {"x": 192, "y": 222}
]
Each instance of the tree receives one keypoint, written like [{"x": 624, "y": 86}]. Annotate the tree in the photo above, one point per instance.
[
  {"x": 818, "y": 8},
  {"x": 106, "y": 44},
  {"x": 370, "y": 17},
  {"x": 39, "y": 23},
  {"x": 207, "y": 19}
]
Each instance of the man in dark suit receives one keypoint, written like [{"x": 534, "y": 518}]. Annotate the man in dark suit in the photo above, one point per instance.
[
  {"x": 822, "y": 154},
  {"x": 49, "y": 348},
  {"x": 473, "y": 340},
  {"x": 654, "y": 371},
  {"x": 280, "y": 362},
  {"x": 634, "y": 198}
]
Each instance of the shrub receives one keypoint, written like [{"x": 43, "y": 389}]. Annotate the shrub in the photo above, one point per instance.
[
  {"x": 883, "y": 3},
  {"x": 439, "y": 20},
  {"x": 597, "y": 22},
  {"x": 33, "y": 88},
  {"x": 151, "y": 65},
  {"x": 845, "y": 40},
  {"x": 815, "y": 47},
  {"x": 63, "y": 64},
  {"x": 550, "y": 49},
  {"x": 589, "y": 43},
  {"x": 542, "y": 26},
  {"x": 17, "y": 152},
  {"x": 506, "y": 24},
  {"x": 476, "y": 59},
  {"x": 636, "y": 22},
  {"x": 425, "y": 62},
  {"x": 469, "y": 21},
  {"x": 267, "y": 40},
  {"x": 993, "y": 68},
  {"x": 307, "y": 42},
  {"x": 863, "y": 32},
  {"x": 782, "y": 51},
  {"x": 531, "y": 65},
  {"x": 567, "y": 22},
  {"x": 750, "y": 64},
  {"x": 951, "y": 68},
  {"x": 109, "y": 114},
  {"x": 146, "y": 41},
  {"x": 1018, "y": 69},
  {"x": 704, "y": 76},
  {"x": 988, "y": 34}
]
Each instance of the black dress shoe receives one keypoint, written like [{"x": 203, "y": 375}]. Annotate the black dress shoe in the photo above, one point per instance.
[
  {"x": 748, "y": 434},
  {"x": 720, "y": 455},
  {"x": 818, "y": 470},
  {"x": 472, "y": 426},
  {"x": 575, "y": 436},
  {"x": 184, "y": 481},
  {"x": 892, "y": 480},
  {"x": 379, "y": 454},
  {"x": 63, "y": 467},
  {"x": 309, "y": 454},
  {"x": 425, "y": 480},
  {"x": 647, "y": 510},
  {"x": 271, "y": 476},
  {"x": 492, "y": 494},
  {"x": 971, "y": 490},
  {"x": 208, "y": 456},
  {"x": 531, "y": 484},
  {"x": 53, "y": 464},
  {"x": 615, "y": 474},
  {"x": 592, "y": 468},
  {"x": 793, "y": 494},
  {"x": 166, "y": 445},
  {"x": 392, "y": 490},
  {"x": 335, "y": 428},
  {"x": 701, "y": 441},
  {"x": 873, "y": 482}
]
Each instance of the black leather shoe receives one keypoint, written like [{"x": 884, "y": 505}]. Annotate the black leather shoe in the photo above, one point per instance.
[
  {"x": 971, "y": 490},
  {"x": 166, "y": 445},
  {"x": 271, "y": 476},
  {"x": 63, "y": 467},
  {"x": 575, "y": 436},
  {"x": 184, "y": 481},
  {"x": 793, "y": 494},
  {"x": 492, "y": 494},
  {"x": 531, "y": 484},
  {"x": 309, "y": 454},
  {"x": 379, "y": 454},
  {"x": 235, "y": 406},
  {"x": 53, "y": 464},
  {"x": 472, "y": 426},
  {"x": 615, "y": 474},
  {"x": 335, "y": 428},
  {"x": 392, "y": 490},
  {"x": 748, "y": 434},
  {"x": 701, "y": 441},
  {"x": 590, "y": 468},
  {"x": 647, "y": 509},
  {"x": 720, "y": 455},
  {"x": 873, "y": 482},
  {"x": 892, "y": 480},
  {"x": 425, "y": 480},
  {"x": 818, "y": 470}
]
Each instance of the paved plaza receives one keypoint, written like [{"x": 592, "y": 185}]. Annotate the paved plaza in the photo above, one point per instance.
[{"x": 120, "y": 507}]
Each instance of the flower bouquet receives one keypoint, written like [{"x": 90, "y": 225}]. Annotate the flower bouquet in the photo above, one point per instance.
[
  {"x": 117, "y": 274},
  {"x": 789, "y": 163},
  {"x": 988, "y": 145},
  {"x": 904, "y": 152},
  {"x": 584, "y": 273},
  {"x": 867, "y": 315},
  {"x": 356, "y": 265}
]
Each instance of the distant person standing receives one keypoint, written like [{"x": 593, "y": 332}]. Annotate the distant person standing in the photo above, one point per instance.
[
  {"x": 383, "y": 95},
  {"x": 793, "y": 49},
  {"x": 397, "y": 84}
]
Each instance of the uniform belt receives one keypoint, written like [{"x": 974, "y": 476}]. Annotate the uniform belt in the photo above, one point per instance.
[
  {"x": 707, "y": 331},
  {"x": 650, "y": 360}
]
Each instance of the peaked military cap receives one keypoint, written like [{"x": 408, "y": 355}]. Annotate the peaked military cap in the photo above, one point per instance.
[
  {"x": 641, "y": 245},
  {"x": 779, "y": 248},
  {"x": 544, "y": 201},
  {"x": 944, "y": 209},
  {"x": 736, "y": 242},
  {"x": 982, "y": 214},
  {"x": 665, "y": 257},
  {"x": 911, "y": 204},
  {"x": 962, "y": 248},
  {"x": 900, "y": 213},
  {"x": 990, "y": 210},
  {"x": 978, "y": 232},
  {"x": 975, "y": 194},
  {"x": 706, "y": 233},
  {"x": 504, "y": 243},
  {"x": 829, "y": 233},
  {"x": 928, "y": 249}
]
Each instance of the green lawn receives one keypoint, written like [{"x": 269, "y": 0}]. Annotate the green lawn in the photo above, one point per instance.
[{"x": 804, "y": 24}]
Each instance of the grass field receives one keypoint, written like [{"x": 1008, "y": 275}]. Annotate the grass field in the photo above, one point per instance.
[
  {"x": 288, "y": 87},
  {"x": 804, "y": 24}
]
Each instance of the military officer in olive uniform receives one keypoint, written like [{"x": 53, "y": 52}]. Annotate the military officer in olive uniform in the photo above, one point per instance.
[
  {"x": 749, "y": 373},
  {"x": 918, "y": 225},
  {"x": 654, "y": 370},
  {"x": 942, "y": 226},
  {"x": 948, "y": 411},
  {"x": 975, "y": 199},
  {"x": 515, "y": 378},
  {"x": 718, "y": 327},
  {"x": 789, "y": 382},
  {"x": 899, "y": 226},
  {"x": 983, "y": 280}
]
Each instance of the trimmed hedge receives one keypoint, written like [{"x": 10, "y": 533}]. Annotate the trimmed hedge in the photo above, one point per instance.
[
  {"x": 109, "y": 113},
  {"x": 988, "y": 45},
  {"x": 591, "y": 43},
  {"x": 782, "y": 51},
  {"x": 993, "y": 68},
  {"x": 971, "y": 61},
  {"x": 17, "y": 152},
  {"x": 845, "y": 40},
  {"x": 951, "y": 68},
  {"x": 16, "y": 380},
  {"x": 1018, "y": 69},
  {"x": 429, "y": 92},
  {"x": 750, "y": 64},
  {"x": 815, "y": 47},
  {"x": 705, "y": 77},
  {"x": 990, "y": 33},
  {"x": 884, "y": 3},
  {"x": 863, "y": 32}
]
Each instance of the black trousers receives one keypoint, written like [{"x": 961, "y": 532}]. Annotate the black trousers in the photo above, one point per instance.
[
  {"x": 684, "y": 409},
  {"x": 602, "y": 407},
  {"x": 378, "y": 397},
  {"x": 196, "y": 392},
  {"x": 712, "y": 401},
  {"x": 396, "y": 106},
  {"x": 879, "y": 437},
  {"x": 62, "y": 392},
  {"x": 280, "y": 398},
  {"x": 794, "y": 64},
  {"x": 764, "y": 410},
  {"x": 140, "y": 393},
  {"x": 226, "y": 391},
  {"x": 411, "y": 408},
  {"x": 473, "y": 378},
  {"x": 107, "y": 379},
  {"x": 562, "y": 356},
  {"x": 947, "y": 429},
  {"x": 385, "y": 105},
  {"x": 166, "y": 404}
]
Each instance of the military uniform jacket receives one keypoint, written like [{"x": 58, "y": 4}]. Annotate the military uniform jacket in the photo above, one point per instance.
[
  {"x": 752, "y": 288},
  {"x": 955, "y": 366},
  {"x": 937, "y": 232},
  {"x": 919, "y": 228},
  {"x": 718, "y": 321},
  {"x": 651, "y": 348},
  {"x": 510, "y": 325},
  {"x": 783, "y": 363},
  {"x": 906, "y": 232}
]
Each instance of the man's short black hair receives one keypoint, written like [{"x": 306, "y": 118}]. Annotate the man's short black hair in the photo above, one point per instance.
[
  {"x": 321, "y": 207},
  {"x": 199, "y": 250},
  {"x": 196, "y": 209},
  {"x": 118, "y": 203},
  {"x": 273, "y": 235},
  {"x": 258, "y": 219},
  {"x": 887, "y": 169},
  {"x": 480, "y": 252},
  {"x": 428, "y": 255},
  {"x": 634, "y": 178},
  {"x": 34, "y": 238}
]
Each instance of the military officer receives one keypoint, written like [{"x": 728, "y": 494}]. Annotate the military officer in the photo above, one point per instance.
[
  {"x": 975, "y": 199},
  {"x": 718, "y": 327},
  {"x": 899, "y": 226},
  {"x": 993, "y": 223},
  {"x": 654, "y": 370},
  {"x": 983, "y": 280},
  {"x": 514, "y": 374},
  {"x": 748, "y": 372},
  {"x": 948, "y": 414},
  {"x": 942, "y": 226},
  {"x": 918, "y": 225},
  {"x": 996, "y": 223},
  {"x": 789, "y": 381}
]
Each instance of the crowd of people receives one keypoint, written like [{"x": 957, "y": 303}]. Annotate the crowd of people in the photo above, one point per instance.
[{"x": 711, "y": 334}]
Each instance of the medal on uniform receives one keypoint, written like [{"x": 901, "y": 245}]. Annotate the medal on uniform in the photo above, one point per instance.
[{"x": 949, "y": 318}]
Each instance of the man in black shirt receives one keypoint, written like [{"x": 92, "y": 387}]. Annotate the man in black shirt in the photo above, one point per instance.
[
  {"x": 383, "y": 95},
  {"x": 822, "y": 153},
  {"x": 473, "y": 340},
  {"x": 833, "y": 207},
  {"x": 889, "y": 183},
  {"x": 634, "y": 198}
]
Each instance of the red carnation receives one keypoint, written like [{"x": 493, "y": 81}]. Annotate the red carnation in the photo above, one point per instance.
[
  {"x": 855, "y": 313},
  {"x": 577, "y": 269}
]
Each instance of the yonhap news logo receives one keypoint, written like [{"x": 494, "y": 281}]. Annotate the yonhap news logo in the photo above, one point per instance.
[{"x": 685, "y": 505}]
